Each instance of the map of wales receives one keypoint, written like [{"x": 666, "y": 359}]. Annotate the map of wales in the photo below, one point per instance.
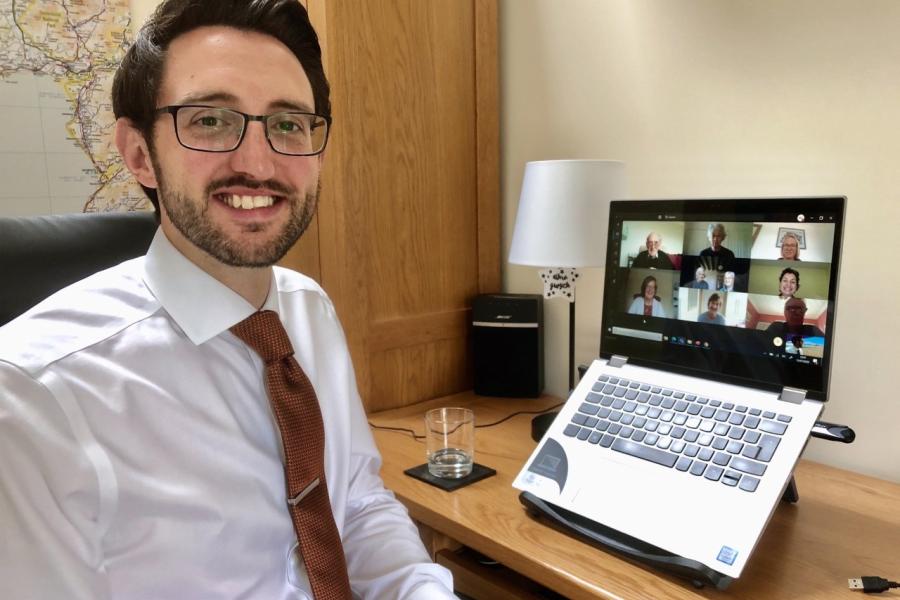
[{"x": 57, "y": 62}]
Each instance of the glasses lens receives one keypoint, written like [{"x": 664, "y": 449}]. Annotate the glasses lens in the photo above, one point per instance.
[
  {"x": 297, "y": 133},
  {"x": 215, "y": 129}
]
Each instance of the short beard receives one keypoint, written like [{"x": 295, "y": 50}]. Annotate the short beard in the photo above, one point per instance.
[{"x": 190, "y": 218}]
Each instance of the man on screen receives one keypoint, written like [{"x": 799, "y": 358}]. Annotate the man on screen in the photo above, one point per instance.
[{"x": 653, "y": 257}]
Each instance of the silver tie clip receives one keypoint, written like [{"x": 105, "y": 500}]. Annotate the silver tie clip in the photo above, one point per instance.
[{"x": 296, "y": 499}]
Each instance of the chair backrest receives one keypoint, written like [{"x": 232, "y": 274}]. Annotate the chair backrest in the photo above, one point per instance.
[{"x": 43, "y": 254}]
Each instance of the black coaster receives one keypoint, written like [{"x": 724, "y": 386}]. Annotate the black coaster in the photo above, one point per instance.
[{"x": 478, "y": 473}]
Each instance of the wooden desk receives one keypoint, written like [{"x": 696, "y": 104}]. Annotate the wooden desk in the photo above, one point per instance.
[{"x": 845, "y": 525}]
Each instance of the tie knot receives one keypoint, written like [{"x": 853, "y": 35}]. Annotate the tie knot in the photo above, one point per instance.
[{"x": 264, "y": 332}]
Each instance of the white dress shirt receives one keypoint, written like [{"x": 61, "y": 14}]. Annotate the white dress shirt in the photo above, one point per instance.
[{"x": 139, "y": 458}]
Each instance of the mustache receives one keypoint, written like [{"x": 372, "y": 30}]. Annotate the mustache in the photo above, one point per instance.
[{"x": 253, "y": 184}]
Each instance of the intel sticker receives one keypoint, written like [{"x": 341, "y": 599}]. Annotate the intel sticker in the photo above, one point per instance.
[{"x": 727, "y": 555}]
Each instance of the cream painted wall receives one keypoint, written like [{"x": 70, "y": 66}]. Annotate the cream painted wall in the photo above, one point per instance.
[
  {"x": 140, "y": 10},
  {"x": 705, "y": 98}
]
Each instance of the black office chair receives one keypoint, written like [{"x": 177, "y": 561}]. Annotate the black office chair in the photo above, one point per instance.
[{"x": 41, "y": 255}]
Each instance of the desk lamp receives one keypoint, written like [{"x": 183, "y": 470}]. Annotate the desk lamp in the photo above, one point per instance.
[{"x": 562, "y": 223}]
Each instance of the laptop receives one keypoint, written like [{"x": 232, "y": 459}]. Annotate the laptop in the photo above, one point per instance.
[{"x": 715, "y": 354}]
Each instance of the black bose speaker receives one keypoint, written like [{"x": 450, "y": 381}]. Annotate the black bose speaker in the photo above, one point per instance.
[{"x": 508, "y": 345}]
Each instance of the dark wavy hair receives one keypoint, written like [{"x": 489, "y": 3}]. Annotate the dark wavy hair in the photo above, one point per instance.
[
  {"x": 711, "y": 299},
  {"x": 138, "y": 78},
  {"x": 795, "y": 273}
]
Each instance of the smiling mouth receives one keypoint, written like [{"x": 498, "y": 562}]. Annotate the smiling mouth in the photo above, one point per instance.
[{"x": 247, "y": 202}]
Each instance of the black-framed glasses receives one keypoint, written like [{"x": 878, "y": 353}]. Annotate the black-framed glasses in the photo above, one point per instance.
[{"x": 214, "y": 129}]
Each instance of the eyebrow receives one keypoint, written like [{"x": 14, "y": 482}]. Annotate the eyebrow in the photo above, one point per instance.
[{"x": 225, "y": 97}]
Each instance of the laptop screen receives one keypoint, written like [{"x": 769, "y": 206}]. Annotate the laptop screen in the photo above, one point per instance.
[{"x": 738, "y": 290}]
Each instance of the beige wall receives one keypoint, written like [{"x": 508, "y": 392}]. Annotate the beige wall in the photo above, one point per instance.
[{"x": 706, "y": 98}]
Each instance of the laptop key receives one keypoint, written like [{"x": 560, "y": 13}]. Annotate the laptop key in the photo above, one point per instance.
[
  {"x": 634, "y": 385},
  {"x": 602, "y": 426},
  {"x": 607, "y": 440},
  {"x": 751, "y": 437},
  {"x": 713, "y": 473},
  {"x": 631, "y": 394},
  {"x": 751, "y": 422},
  {"x": 748, "y": 484},
  {"x": 690, "y": 398},
  {"x": 707, "y": 426},
  {"x": 603, "y": 378},
  {"x": 664, "y": 429},
  {"x": 667, "y": 416},
  {"x": 683, "y": 464},
  {"x": 620, "y": 392},
  {"x": 643, "y": 397},
  {"x": 641, "y": 410},
  {"x": 755, "y": 412},
  {"x": 584, "y": 434},
  {"x": 767, "y": 446},
  {"x": 651, "y": 439},
  {"x": 571, "y": 430},
  {"x": 629, "y": 407},
  {"x": 654, "y": 413},
  {"x": 664, "y": 443},
  {"x": 736, "y": 433},
  {"x": 715, "y": 403},
  {"x": 660, "y": 457},
  {"x": 668, "y": 403},
  {"x": 677, "y": 446},
  {"x": 784, "y": 418},
  {"x": 626, "y": 432},
  {"x": 721, "y": 429},
  {"x": 667, "y": 392},
  {"x": 769, "y": 414},
  {"x": 617, "y": 404},
  {"x": 608, "y": 389},
  {"x": 697, "y": 468},
  {"x": 705, "y": 439},
  {"x": 651, "y": 425},
  {"x": 638, "y": 436},
  {"x": 705, "y": 454},
  {"x": 593, "y": 398},
  {"x": 614, "y": 380},
  {"x": 691, "y": 450},
  {"x": 748, "y": 466},
  {"x": 579, "y": 418},
  {"x": 694, "y": 409},
  {"x": 645, "y": 388},
  {"x": 615, "y": 416},
  {"x": 750, "y": 451},
  {"x": 722, "y": 415},
  {"x": 680, "y": 406},
  {"x": 702, "y": 400},
  {"x": 691, "y": 436},
  {"x": 734, "y": 447},
  {"x": 773, "y": 427},
  {"x": 607, "y": 401},
  {"x": 589, "y": 409},
  {"x": 595, "y": 437},
  {"x": 736, "y": 418},
  {"x": 741, "y": 408},
  {"x": 603, "y": 413},
  {"x": 590, "y": 422},
  {"x": 728, "y": 406},
  {"x": 626, "y": 419},
  {"x": 677, "y": 432},
  {"x": 655, "y": 400},
  {"x": 655, "y": 390},
  {"x": 731, "y": 478},
  {"x": 719, "y": 443},
  {"x": 708, "y": 412},
  {"x": 639, "y": 422},
  {"x": 614, "y": 428},
  {"x": 679, "y": 395}
]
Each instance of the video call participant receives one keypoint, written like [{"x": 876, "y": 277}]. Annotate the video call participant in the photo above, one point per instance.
[
  {"x": 788, "y": 283},
  {"x": 793, "y": 325},
  {"x": 727, "y": 282},
  {"x": 790, "y": 247},
  {"x": 653, "y": 257},
  {"x": 722, "y": 256},
  {"x": 647, "y": 303},
  {"x": 713, "y": 305},
  {"x": 699, "y": 282},
  {"x": 140, "y": 455}
]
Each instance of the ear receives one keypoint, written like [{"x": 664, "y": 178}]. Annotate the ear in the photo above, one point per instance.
[{"x": 135, "y": 152}]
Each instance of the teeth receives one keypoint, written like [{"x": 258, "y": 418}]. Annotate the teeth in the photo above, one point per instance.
[{"x": 248, "y": 202}]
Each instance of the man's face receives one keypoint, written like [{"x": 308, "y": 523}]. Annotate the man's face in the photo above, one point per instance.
[
  {"x": 699, "y": 274},
  {"x": 714, "y": 305},
  {"x": 718, "y": 236},
  {"x": 653, "y": 243},
  {"x": 255, "y": 74},
  {"x": 794, "y": 311},
  {"x": 728, "y": 280}
]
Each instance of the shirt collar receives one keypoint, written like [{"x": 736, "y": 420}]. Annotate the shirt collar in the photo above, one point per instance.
[{"x": 200, "y": 305}]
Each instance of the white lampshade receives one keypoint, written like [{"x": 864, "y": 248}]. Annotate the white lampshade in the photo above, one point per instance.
[{"x": 563, "y": 214}]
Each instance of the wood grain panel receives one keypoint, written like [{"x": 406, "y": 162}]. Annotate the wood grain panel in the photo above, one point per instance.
[{"x": 401, "y": 242}]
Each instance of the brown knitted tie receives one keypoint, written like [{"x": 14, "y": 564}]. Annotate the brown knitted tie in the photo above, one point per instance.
[{"x": 297, "y": 412}]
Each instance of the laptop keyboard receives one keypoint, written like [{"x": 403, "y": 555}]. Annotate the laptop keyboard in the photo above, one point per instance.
[{"x": 700, "y": 436}]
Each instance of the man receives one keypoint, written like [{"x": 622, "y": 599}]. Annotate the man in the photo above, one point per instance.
[
  {"x": 718, "y": 256},
  {"x": 699, "y": 282},
  {"x": 653, "y": 257},
  {"x": 793, "y": 325},
  {"x": 143, "y": 415}
]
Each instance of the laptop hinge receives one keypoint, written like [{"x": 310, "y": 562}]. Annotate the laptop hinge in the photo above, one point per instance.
[
  {"x": 617, "y": 361},
  {"x": 789, "y": 394}
]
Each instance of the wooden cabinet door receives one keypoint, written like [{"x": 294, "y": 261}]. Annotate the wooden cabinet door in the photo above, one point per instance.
[{"x": 408, "y": 228}]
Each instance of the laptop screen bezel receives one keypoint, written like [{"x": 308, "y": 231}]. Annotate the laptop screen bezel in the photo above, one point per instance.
[{"x": 783, "y": 209}]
